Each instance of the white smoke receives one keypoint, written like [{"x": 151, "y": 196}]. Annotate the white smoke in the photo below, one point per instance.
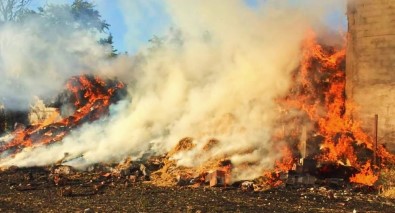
[
  {"x": 216, "y": 76},
  {"x": 36, "y": 58}
]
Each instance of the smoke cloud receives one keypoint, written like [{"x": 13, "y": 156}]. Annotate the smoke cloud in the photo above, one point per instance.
[
  {"x": 216, "y": 74},
  {"x": 36, "y": 58}
]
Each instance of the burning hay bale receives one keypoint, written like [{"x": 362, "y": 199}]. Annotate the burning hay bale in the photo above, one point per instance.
[
  {"x": 218, "y": 178},
  {"x": 91, "y": 97},
  {"x": 41, "y": 114},
  {"x": 221, "y": 176},
  {"x": 320, "y": 147}
]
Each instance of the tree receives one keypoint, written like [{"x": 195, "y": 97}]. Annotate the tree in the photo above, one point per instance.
[
  {"x": 87, "y": 16},
  {"x": 79, "y": 15},
  {"x": 10, "y": 10},
  {"x": 109, "y": 41}
]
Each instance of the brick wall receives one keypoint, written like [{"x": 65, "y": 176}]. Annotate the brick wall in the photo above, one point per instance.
[{"x": 371, "y": 65}]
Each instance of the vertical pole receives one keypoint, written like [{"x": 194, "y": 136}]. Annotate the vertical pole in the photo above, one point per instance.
[
  {"x": 304, "y": 142},
  {"x": 376, "y": 122},
  {"x": 303, "y": 146}
]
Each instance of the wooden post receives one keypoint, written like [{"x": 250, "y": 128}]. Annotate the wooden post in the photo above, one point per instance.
[{"x": 303, "y": 141}]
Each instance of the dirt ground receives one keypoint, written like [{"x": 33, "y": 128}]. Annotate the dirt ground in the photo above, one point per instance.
[{"x": 33, "y": 190}]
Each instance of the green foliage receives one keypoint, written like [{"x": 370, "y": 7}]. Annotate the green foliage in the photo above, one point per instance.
[
  {"x": 80, "y": 15},
  {"x": 87, "y": 16},
  {"x": 109, "y": 41},
  {"x": 12, "y": 10}
]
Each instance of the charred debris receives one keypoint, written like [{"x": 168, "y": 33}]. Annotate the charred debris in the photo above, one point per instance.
[{"x": 162, "y": 171}]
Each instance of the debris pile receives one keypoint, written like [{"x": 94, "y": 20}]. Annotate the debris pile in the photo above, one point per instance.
[
  {"x": 163, "y": 171},
  {"x": 33, "y": 188}
]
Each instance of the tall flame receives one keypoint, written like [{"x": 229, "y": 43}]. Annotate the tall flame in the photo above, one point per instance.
[{"x": 318, "y": 94}]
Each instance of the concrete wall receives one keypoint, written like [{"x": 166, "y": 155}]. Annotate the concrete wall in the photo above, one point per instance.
[{"x": 371, "y": 65}]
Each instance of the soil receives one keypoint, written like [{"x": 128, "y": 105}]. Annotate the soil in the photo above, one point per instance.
[{"x": 34, "y": 190}]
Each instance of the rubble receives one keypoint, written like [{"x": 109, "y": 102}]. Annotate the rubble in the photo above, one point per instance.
[
  {"x": 63, "y": 170},
  {"x": 145, "y": 172},
  {"x": 68, "y": 183},
  {"x": 88, "y": 210},
  {"x": 132, "y": 178},
  {"x": 66, "y": 191},
  {"x": 184, "y": 180},
  {"x": 303, "y": 179},
  {"x": 247, "y": 186}
]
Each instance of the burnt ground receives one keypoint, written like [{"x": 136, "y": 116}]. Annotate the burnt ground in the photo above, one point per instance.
[{"x": 34, "y": 190}]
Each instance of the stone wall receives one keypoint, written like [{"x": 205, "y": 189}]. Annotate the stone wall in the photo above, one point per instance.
[{"x": 371, "y": 65}]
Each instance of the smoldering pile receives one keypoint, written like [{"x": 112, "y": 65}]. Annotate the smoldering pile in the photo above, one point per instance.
[{"x": 163, "y": 171}]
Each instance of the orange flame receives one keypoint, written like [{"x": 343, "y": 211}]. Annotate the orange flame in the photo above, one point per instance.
[
  {"x": 366, "y": 176},
  {"x": 92, "y": 98},
  {"x": 318, "y": 94}
]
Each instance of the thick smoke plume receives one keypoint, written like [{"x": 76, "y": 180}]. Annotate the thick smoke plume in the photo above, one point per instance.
[
  {"x": 37, "y": 57},
  {"x": 216, "y": 74}
]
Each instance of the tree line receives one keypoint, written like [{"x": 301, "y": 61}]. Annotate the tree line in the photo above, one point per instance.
[{"x": 84, "y": 15}]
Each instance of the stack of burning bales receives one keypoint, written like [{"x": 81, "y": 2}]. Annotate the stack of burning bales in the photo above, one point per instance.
[{"x": 316, "y": 135}]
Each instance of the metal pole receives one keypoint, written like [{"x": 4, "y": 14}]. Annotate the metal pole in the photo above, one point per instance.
[{"x": 376, "y": 122}]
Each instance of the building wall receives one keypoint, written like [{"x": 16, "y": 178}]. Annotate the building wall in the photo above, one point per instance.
[{"x": 371, "y": 65}]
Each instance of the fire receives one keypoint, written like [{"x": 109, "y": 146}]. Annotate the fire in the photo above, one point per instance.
[
  {"x": 315, "y": 107},
  {"x": 366, "y": 176},
  {"x": 318, "y": 93},
  {"x": 285, "y": 163},
  {"x": 282, "y": 165},
  {"x": 91, "y": 97}
]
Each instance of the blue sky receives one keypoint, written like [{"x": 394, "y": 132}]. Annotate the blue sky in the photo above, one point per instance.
[
  {"x": 109, "y": 10},
  {"x": 147, "y": 25}
]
